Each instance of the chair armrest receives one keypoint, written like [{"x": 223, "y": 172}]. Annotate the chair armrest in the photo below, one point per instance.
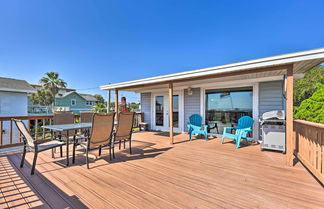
[
  {"x": 248, "y": 129},
  {"x": 230, "y": 127},
  {"x": 40, "y": 141},
  {"x": 205, "y": 127}
]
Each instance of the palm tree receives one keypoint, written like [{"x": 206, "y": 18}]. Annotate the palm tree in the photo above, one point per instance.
[{"x": 53, "y": 83}]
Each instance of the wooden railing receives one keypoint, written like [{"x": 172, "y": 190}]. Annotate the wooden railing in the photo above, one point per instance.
[
  {"x": 309, "y": 146},
  {"x": 10, "y": 137}
]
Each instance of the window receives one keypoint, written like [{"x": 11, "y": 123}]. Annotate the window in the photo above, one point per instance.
[
  {"x": 73, "y": 102},
  {"x": 224, "y": 107},
  {"x": 89, "y": 103}
]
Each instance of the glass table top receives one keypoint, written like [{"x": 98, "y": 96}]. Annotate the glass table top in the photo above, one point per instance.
[{"x": 66, "y": 127}]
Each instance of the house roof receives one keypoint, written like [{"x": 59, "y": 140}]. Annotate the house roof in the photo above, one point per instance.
[
  {"x": 15, "y": 85},
  {"x": 87, "y": 97},
  {"x": 302, "y": 61}
]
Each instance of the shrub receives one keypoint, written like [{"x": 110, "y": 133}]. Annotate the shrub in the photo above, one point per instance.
[
  {"x": 305, "y": 87},
  {"x": 312, "y": 109}
]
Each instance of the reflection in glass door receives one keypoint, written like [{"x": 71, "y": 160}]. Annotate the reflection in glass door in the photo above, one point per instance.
[{"x": 159, "y": 110}]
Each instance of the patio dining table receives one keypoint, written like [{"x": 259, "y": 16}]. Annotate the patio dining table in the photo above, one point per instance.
[{"x": 67, "y": 128}]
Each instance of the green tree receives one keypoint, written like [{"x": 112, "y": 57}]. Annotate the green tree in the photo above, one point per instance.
[
  {"x": 99, "y": 98},
  {"x": 312, "y": 109},
  {"x": 42, "y": 97},
  {"x": 52, "y": 83},
  {"x": 305, "y": 87},
  {"x": 133, "y": 107},
  {"x": 100, "y": 107}
]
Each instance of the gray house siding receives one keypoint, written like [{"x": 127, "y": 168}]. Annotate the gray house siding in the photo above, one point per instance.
[
  {"x": 146, "y": 108},
  {"x": 191, "y": 104},
  {"x": 270, "y": 96}
]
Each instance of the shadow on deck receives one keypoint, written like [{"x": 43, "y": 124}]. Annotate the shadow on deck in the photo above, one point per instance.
[{"x": 188, "y": 174}]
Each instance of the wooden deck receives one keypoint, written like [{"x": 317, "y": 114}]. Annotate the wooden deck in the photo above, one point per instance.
[{"x": 197, "y": 174}]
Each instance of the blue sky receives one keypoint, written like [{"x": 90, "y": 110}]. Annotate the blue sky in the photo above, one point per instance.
[{"x": 91, "y": 43}]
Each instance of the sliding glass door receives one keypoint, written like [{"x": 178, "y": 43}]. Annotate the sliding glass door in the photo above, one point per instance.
[{"x": 225, "y": 106}]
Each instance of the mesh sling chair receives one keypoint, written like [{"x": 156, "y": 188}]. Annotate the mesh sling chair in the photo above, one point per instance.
[
  {"x": 62, "y": 117},
  {"x": 101, "y": 135},
  {"x": 34, "y": 145},
  {"x": 86, "y": 117},
  {"x": 124, "y": 129}
]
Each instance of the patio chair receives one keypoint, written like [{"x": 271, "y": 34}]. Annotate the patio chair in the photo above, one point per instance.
[
  {"x": 101, "y": 135},
  {"x": 124, "y": 129},
  {"x": 34, "y": 145},
  {"x": 86, "y": 117},
  {"x": 245, "y": 124},
  {"x": 63, "y": 117},
  {"x": 195, "y": 126}
]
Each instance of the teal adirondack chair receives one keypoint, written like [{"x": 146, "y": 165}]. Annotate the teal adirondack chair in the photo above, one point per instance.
[
  {"x": 195, "y": 126},
  {"x": 245, "y": 124}
]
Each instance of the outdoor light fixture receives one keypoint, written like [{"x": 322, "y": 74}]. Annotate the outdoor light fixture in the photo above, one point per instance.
[{"x": 189, "y": 91}]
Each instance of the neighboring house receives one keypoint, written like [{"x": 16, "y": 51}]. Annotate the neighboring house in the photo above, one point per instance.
[
  {"x": 220, "y": 94},
  {"x": 66, "y": 99},
  {"x": 13, "y": 102},
  {"x": 38, "y": 109},
  {"x": 73, "y": 101}
]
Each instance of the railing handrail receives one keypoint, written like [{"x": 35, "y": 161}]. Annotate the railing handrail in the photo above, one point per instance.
[
  {"x": 26, "y": 117},
  {"x": 309, "y": 123}
]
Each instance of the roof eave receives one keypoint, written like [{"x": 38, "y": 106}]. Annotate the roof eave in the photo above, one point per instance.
[{"x": 252, "y": 64}]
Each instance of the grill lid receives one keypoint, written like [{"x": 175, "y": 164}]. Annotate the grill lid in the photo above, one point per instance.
[{"x": 274, "y": 115}]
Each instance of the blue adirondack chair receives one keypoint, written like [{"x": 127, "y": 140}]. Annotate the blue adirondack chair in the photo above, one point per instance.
[
  {"x": 245, "y": 124},
  {"x": 195, "y": 126}
]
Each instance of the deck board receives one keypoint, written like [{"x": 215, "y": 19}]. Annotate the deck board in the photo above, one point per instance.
[{"x": 196, "y": 174}]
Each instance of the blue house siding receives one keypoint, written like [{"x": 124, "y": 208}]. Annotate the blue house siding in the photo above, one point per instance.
[
  {"x": 270, "y": 96},
  {"x": 146, "y": 107},
  {"x": 191, "y": 104}
]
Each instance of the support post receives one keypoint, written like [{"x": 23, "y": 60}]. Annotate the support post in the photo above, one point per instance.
[
  {"x": 108, "y": 101},
  {"x": 289, "y": 116},
  {"x": 116, "y": 104},
  {"x": 171, "y": 111}
]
